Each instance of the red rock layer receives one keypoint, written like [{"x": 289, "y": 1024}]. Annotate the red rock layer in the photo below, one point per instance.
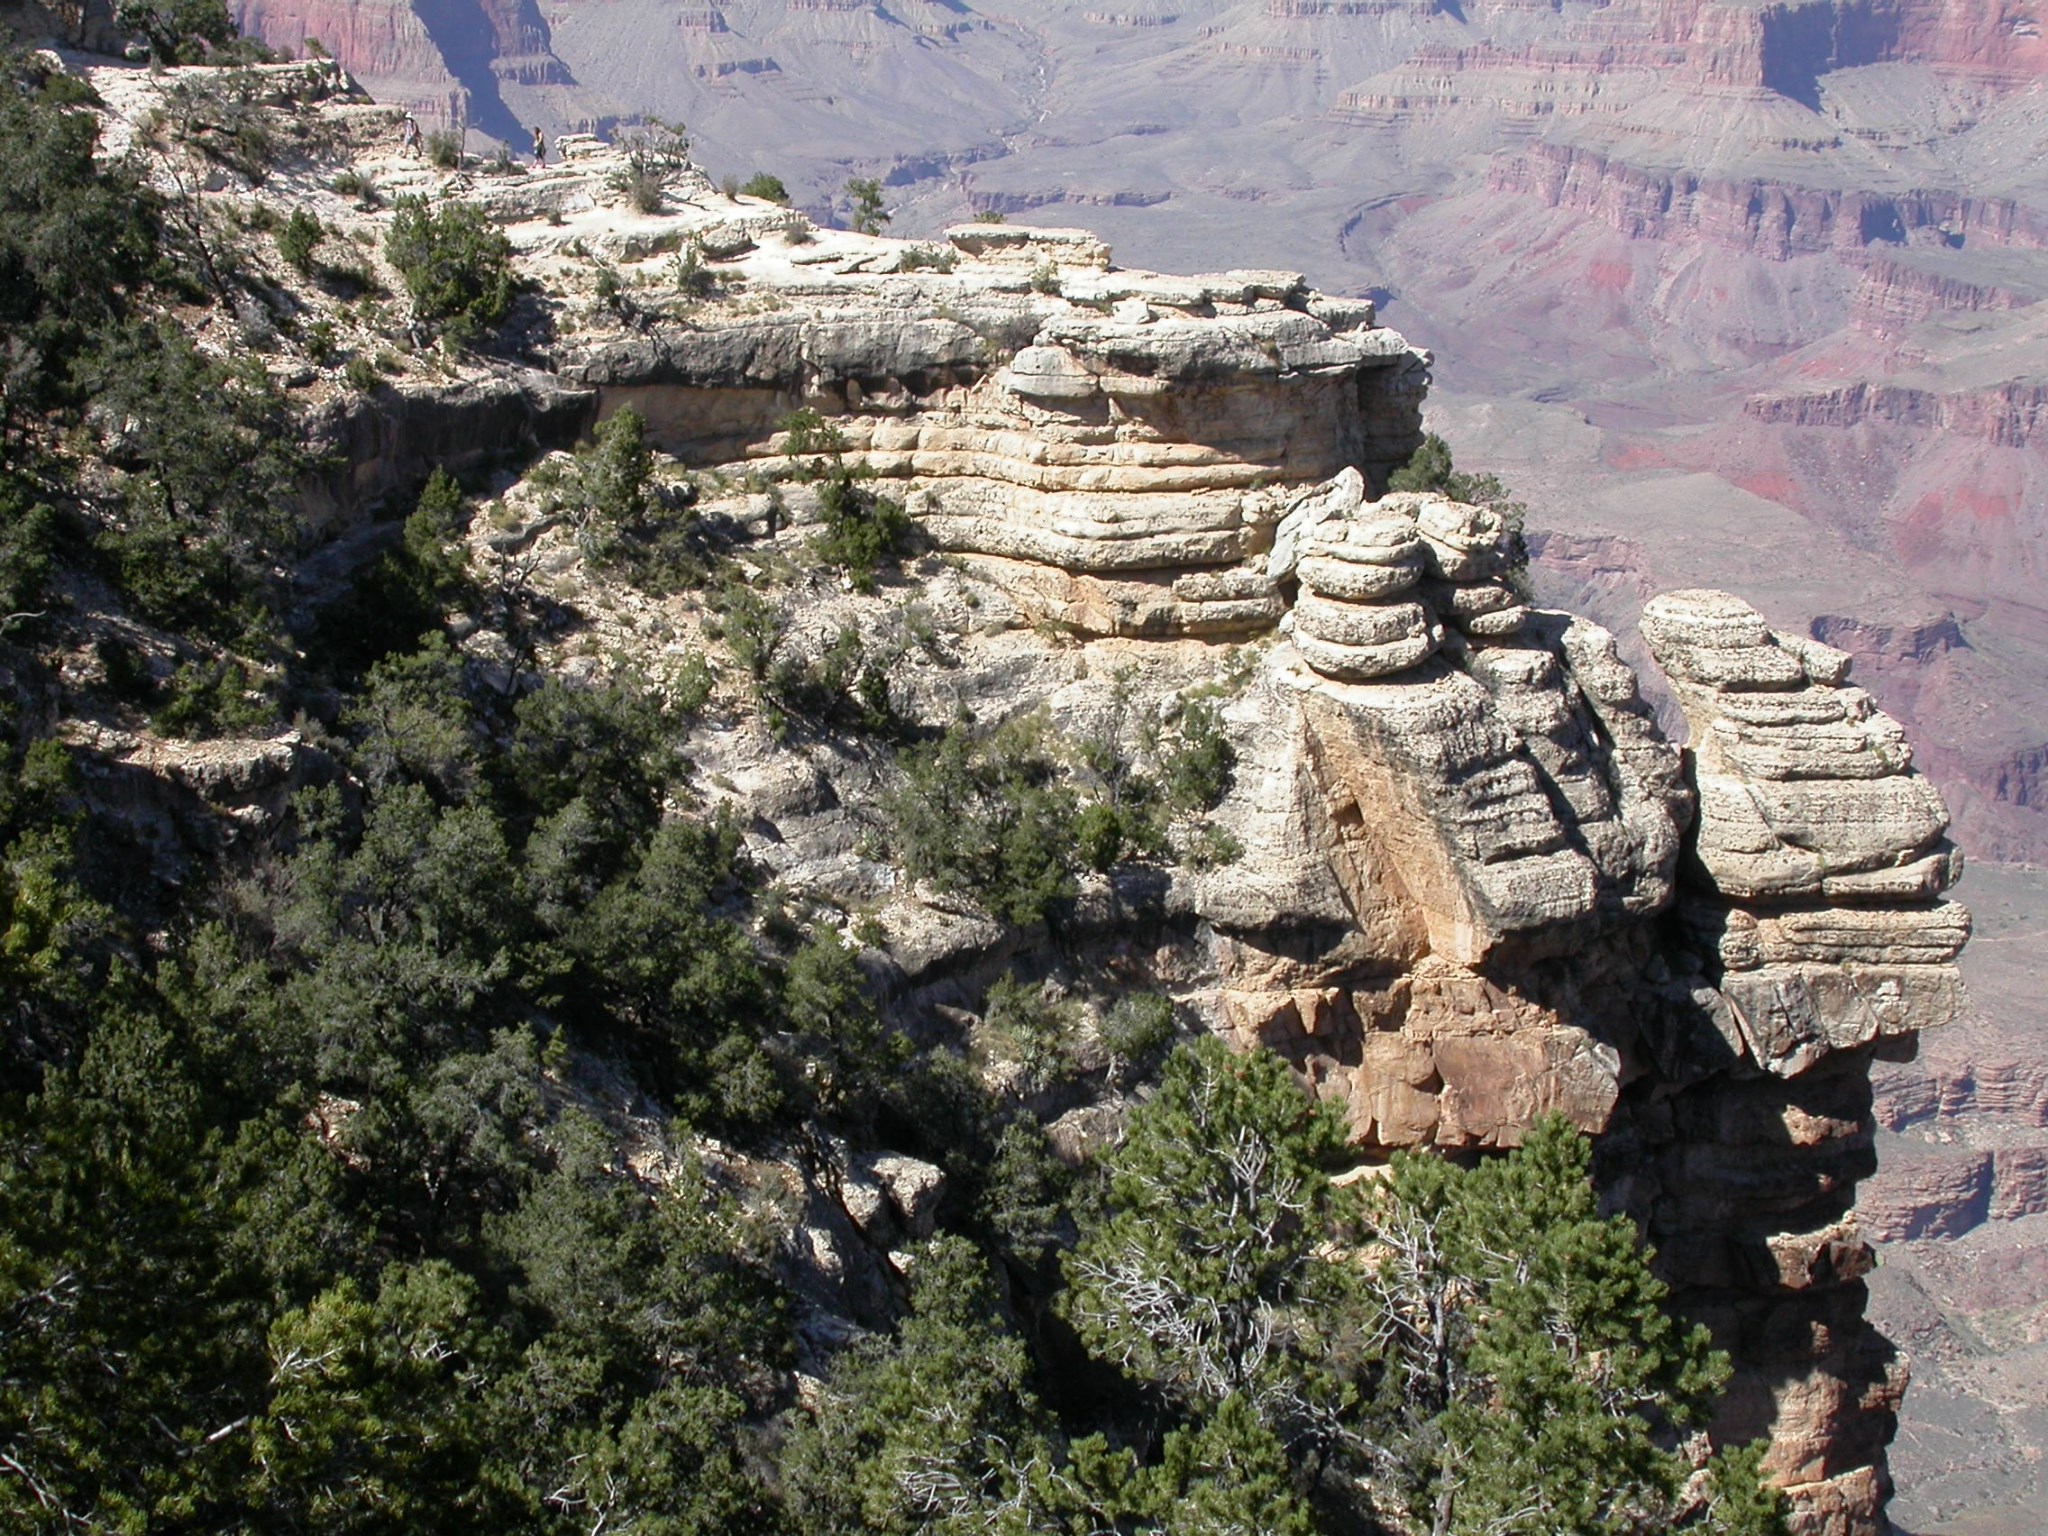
[
  {"x": 2011, "y": 414},
  {"x": 1761, "y": 218},
  {"x": 1894, "y": 295}
]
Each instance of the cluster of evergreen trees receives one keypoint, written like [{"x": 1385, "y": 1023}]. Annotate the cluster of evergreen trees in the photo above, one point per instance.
[
  {"x": 1447, "y": 1351},
  {"x": 304, "y": 1225},
  {"x": 316, "y": 1210}
]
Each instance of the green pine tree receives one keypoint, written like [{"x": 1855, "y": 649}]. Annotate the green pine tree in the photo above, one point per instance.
[
  {"x": 1536, "y": 1383},
  {"x": 1202, "y": 1270},
  {"x": 935, "y": 1430}
]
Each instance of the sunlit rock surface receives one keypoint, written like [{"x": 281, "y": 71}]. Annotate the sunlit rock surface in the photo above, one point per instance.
[{"x": 1473, "y": 883}]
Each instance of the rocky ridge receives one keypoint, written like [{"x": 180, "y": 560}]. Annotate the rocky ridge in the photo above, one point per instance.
[
  {"x": 1743, "y": 224},
  {"x": 1460, "y": 830}
]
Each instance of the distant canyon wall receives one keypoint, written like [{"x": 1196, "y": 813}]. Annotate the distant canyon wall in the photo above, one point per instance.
[{"x": 1775, "y": 221}]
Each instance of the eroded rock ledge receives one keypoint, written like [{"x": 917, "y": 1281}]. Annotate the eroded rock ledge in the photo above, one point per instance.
[
  {"x": 1504, "y": 827},
  {"x": 1477, "y": 883},
  {"x": 1480, "y": 885}
]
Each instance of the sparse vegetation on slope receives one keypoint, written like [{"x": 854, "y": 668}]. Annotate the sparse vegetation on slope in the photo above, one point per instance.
[
  {"x": 456, "y": 264},
  {"x": 464, "y": 1136},
  {"x": 655, "y": 151},
  {"x": 179, "y": 31}
]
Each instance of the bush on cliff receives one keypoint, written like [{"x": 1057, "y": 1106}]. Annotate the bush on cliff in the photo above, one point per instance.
[
  {"x": 1200, "y": 1271},
  {"x": 1459, "y": 1351},
  {"x": 865, "y": 206},
  {"x": 456, "y": 265},
  {"x": 1454, "y": 1352},
  {"x": 807, "y": 431},
  {"x": 863, "y": 528},
  {"x": 629, "y": 521},
  {"x": 615, "y": 471},
  {"x": 933, "y": 1428},
  {"x": 1430, "y": 468},
  {"x": 1012, "y": 815},
  {"x": 298, "y": 238},
  {"x": 1533, "y": 1380},
  {"x": 28, "y": 527},
  {"x": 986, "y": 812},
  {"x": 129, "y": 449},
  {"x": 295, "y": 1229},
  {"x": 78, "y": 245},
  {"x": 178, "y": 31},
  {"x": 1146, "y": 797},
  {"x": 209, "y": 456},
  {"x": 225, "y": 117},
  {"x": 656, "y": 152},
  {"x": 403, "y": 596}
]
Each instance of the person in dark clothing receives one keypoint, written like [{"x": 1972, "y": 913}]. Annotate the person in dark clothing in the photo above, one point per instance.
[{"x": 540, "y": 146}]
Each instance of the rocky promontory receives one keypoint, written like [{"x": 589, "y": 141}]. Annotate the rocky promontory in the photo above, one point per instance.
[{"x": 1459, "y": 877}]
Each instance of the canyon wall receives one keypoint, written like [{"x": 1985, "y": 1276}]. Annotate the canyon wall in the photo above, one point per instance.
[
  {"x": 1477, "y": 883},
  {"x": 1776, "y": 220},
  {"x": 1471, "y": 881}
]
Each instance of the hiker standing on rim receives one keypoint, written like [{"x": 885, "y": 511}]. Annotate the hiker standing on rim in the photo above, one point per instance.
[
  {"x": 540, "y": 146},
  {"x": 409, "y": 136}
]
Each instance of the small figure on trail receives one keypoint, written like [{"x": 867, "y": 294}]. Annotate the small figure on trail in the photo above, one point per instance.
[
  {"x": 540, "y": 147},
  {"x": 409, "y": 135}
]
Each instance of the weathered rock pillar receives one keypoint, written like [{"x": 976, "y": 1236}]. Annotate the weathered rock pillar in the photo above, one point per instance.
[
  {"x": 1518, "y": 929},
  {"x": 1812, "y": 933}
]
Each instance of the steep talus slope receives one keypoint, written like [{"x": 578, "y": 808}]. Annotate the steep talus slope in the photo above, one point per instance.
[{"x": 1460, "y": 878}]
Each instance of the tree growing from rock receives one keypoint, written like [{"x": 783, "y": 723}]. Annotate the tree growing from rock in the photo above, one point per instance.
[
  {"x": 1202, "y": 1275},
  {"x": 456, "y": 264},
  {"x": 1528, "y": 1378},
  {"x": 864, "y": 200},
  {"x": 178, "y": 31},
  {"x": 1462, "y": 1352},
  {"x": 1430, "y": 468}
]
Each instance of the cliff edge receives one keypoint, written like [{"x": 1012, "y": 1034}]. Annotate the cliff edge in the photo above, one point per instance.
[{"x": 1458, "y": 876}]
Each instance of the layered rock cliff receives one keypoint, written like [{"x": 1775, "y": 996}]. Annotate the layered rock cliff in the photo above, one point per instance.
[
  {"x": 1466, "y": 879},
  {"x": 1763, "y": 220}
]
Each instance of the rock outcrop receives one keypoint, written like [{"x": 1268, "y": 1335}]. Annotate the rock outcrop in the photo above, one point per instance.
[
  {"x": 1478, "y": 884},
  {"x": 1118, "y": 463},
  {"x": 1475, "y": 885},
  {"x": 1820, "y": 860},
  {"x": 1812, "y": 901},
  {"x": 1498, "y": 816},
  {"x": 1500, "y": 802}
]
